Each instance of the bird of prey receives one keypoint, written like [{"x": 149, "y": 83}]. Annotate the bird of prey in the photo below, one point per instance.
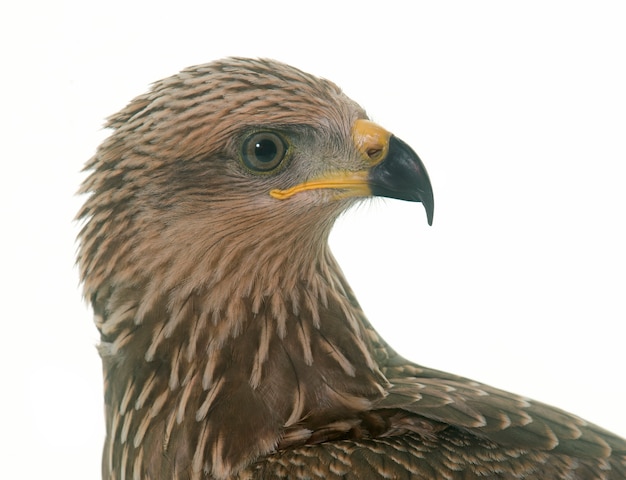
[{"x": 232, "y": 345}]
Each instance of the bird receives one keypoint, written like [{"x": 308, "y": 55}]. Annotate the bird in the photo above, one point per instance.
[{"x": 231, "y": 343}]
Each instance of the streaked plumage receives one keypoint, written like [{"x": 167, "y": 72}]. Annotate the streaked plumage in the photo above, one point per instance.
[{"x": 232, "y": 346}]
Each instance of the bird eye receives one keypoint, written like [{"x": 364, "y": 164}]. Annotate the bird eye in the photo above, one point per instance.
[{"x": 263, "y": 151}]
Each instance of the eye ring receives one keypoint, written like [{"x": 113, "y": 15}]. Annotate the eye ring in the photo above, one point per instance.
[{"x": 264, "y": 151}]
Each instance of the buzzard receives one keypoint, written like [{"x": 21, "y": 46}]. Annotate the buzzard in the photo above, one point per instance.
[{"x": 232, "y": 345}]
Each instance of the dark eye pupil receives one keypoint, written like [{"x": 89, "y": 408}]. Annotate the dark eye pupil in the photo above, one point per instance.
[{"x": 265, "y": 150}]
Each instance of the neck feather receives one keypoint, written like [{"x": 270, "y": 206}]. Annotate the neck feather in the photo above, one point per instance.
[{"x": 230, "y": 368}]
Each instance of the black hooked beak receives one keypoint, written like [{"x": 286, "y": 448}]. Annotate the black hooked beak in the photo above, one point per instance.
[{"x": 402, "y": 175}]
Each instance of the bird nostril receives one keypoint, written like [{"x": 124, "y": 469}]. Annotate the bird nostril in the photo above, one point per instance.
[{"x": 374, "y": 153}]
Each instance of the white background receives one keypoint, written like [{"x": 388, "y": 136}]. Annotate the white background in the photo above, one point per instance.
[{"x": 518, "y": 110}]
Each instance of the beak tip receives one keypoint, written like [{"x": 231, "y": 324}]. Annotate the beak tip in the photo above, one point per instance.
[{"x": 430, "y": 211}]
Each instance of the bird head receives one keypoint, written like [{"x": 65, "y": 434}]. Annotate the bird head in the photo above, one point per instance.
[{"x": 237, "y": 152}]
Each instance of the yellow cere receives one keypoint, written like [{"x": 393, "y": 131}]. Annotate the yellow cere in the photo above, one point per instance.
[{"x": 371, "y": 140}]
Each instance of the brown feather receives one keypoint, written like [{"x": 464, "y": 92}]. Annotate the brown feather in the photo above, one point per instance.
[{"x": 232, "y": 346}]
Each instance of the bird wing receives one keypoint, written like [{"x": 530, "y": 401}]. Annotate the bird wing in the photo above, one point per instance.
[
  {"x": 434, "y": 425},
  {"x": 502, "y": 417},
  {"x": 454, "y": 455}
]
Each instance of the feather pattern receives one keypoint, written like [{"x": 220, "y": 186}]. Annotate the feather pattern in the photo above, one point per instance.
[{"x": 232, "y": 345}]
